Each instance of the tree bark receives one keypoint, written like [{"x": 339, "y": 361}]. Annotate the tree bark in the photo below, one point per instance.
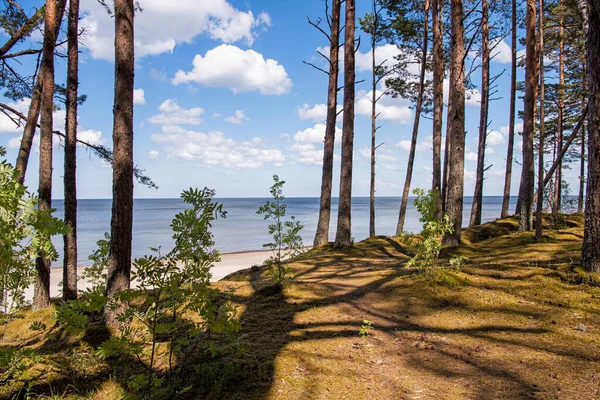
[
  {"x": 590, "y": 253},
  {"x": 456, "y": 152},
  {"x": 438, "y": 101},
  {"x": 373, "y": 120},
  {"x": 511, "y": 123},
  {"x": 415, "y": 131},
  {"x": 580, "y": 199},
  {"x": 70, "y": 178},
  {"x": 322, "y": 235},
  {"x": 531, "y": 75},
  {"x": 343, "y": 235},
  {"x": 483, "y": 116},
  {"x": 119, "y": 269},
  {"x": 540, "y": 191},
  {"x": 34, "y": 111},
  {"x": 41, "y": 296},
  {"x": 561, "y": 105}
]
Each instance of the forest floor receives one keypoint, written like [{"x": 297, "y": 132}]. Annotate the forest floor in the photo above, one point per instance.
[{"x": 517, "y": 322}]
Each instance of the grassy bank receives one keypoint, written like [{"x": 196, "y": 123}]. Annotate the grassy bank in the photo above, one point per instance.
[{"x": 518, "y": 321}]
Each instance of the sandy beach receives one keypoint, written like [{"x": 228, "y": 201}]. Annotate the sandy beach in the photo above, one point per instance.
[{"x": 230, "y": 262}]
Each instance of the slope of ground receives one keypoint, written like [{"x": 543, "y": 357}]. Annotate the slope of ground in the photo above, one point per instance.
[{"x": 513, "y": 325}]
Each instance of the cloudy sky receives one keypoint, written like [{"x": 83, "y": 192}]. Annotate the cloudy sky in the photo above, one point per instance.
[{"x": 223, "y": 100}]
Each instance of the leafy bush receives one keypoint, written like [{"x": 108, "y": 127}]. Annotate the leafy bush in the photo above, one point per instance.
[
  {"x": 286, "y": 243},
  {"x": 426, "y": 246},
  {"x": 172, "y": 313},
  {"x": 25, "y": 233}
]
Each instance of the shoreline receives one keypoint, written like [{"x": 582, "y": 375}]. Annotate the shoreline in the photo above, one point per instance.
[{"x": 230, "y": 263}]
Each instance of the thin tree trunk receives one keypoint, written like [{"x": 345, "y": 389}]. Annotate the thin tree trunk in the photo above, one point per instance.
[
  {"x": 322, "y": 235},
  {"x": 483, "y": 117},
  {"x": 561, "y": 106},
  {"x": 41, "y": 296},
  {"x": 70, "y": 178},
  {"x": 438, "y": 102},
  {"x": 447, "y": 144},
  {"x": 119, "y": 269},
  {"x": 33, "y": 112},
  {"x": 511, "y": 123},
  {"x": 540, "y": 191},
  {"x": 373, "y": 120},
  {"x": 528, "y": 170},
  {"x": 580, "y": 202},
  {"x": 590, "y": 253},
  {"x": 415, "y": 132},
  {"x": 456, "y": 152},
  {"x": 343, "y": 235}
]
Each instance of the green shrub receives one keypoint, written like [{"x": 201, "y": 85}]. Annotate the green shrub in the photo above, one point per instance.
[
  {"x": 286, "y": 243},
  {"x": 172, "y": 314}
]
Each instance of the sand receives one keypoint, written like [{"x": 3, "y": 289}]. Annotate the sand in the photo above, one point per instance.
[{"x": 230, "y": 262}]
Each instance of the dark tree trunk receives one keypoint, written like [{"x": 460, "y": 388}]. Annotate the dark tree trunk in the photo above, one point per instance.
[
  {"x": 540, "y": 191},
  {"x": 590, "y": 254},
  {"x": 343, "y": 235},
  {"x": 415, "y": 132},
  {"x": 322, "y": 235},
  {"x": 580, "y": 198},
  {"x": 483, "y": 117},
  {"x": 373, "y": 119},
  {"x": 70, "y": 178},
  {"x": 447, "y": 145},
  {"x": 41, "y": 296},
  {"x": 528, "y": 169},
  {"x": 34, "y": 111},
  {"x": 511, "y": 123},
  {"x": 561, "y": 106},
  {"x": 119, "y": 269},
  {"x": 438, "y": 101},
  {"x": 456, "y": 152}
]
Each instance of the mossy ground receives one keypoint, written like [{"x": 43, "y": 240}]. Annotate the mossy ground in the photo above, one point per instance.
[{"x": 515, "y": 323}]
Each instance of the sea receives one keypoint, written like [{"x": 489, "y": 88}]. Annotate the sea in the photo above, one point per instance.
[{"x": 243, "y": 229}]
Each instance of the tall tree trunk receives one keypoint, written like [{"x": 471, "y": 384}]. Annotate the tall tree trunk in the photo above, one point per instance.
[
  {"x": 373, "y": 119},
  {"x": 456, "y": 152},
  {"x": 70, "y": 178},
  {"x": 561, "y": 105},
  {"x": 590, "y": 253},
  {"x": 531, "y": 75},
  {"x": 41, "y": 296},
  {"x": 119, "y": 268},
  {"x": 580, "y": 202},
  {"x": 415, "y": 132},
  {"x": 483, "y": 117},
  {"x": 34, "y": 110},
  {"x": 540, "y": 191},
  {"x": 322, "y": 235},
  {"x": 511, "y": 123},
  {"x": 446, "y": 171},
  {"x": 343, "y": 235},
  {"x": 438, "y": 101}
]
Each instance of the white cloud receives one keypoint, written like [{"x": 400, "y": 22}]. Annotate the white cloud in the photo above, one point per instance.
[
  {"x": 425, "y": 145},
  {"x": 318, "y": 113},
  {"x": 238, "y": 70},
  {"x": 138, "y": 96},
  {"x": 237, "y": 118},
  {"x": 308, "y": 144},
  {"x": 501, "y": 51},
  {"x": 472, "y": 97},
  {"x": 217, "y": 115},
  {"x": 90, "y": 136},
  {"x": 494, "y": 138},
  {"x": 518, "y": 128},
  {"x": 390, "y": 109},
  {"x": 154, "y": 155},
  {"x": 213, "y": 149},
  {"x": 471, "y": 156},
  {"x": 173, "y": 114},
  {"x": 7, "y": 125},
  {"x": 315, "y": 134},
  {"x": 179, "y": 22}
]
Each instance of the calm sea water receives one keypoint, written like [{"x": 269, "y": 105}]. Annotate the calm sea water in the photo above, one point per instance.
[{"x": 243, "y": 229}]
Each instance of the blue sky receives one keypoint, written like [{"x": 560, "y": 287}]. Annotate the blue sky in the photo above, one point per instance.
[{"x": 223, "y": 100}]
